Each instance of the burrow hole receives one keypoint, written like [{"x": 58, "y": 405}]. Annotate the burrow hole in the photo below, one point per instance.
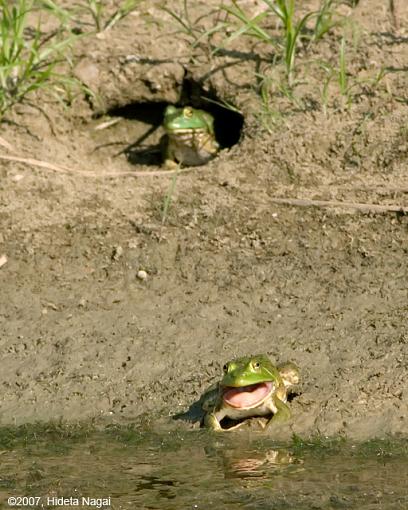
[{"x": 143, "y": 124}]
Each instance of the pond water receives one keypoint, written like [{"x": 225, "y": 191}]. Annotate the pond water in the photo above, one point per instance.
[{"x": 129, "y": 469}]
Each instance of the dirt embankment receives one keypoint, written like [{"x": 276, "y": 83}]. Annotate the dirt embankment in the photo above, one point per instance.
[{"x": 230, "y": 272}]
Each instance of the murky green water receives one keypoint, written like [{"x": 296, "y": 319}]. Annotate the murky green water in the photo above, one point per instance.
[{"x": 198, "y": 470}]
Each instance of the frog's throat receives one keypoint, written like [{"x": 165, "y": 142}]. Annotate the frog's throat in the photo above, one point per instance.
[{"x": 247, "y": 397}]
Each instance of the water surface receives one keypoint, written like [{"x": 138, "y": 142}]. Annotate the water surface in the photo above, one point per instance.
[{"x": 199, "y": 470}]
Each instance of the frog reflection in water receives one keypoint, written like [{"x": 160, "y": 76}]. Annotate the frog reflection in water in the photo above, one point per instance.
[
  {"x": 251, "y": 386},
  {"x": 190, "y": 137}
]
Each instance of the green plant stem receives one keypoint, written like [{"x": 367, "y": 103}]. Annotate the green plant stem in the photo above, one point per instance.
[
  {"x": 169, "y": 196},
  {"x": 28, "y": 61},
  {"x": 343, "y": 80}
]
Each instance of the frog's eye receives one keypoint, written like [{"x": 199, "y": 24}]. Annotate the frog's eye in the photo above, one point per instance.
[
  {"x": 170, "y": 110},
  {"x": 225, "y": 367},
  {"x": 188, "y": 112},
  {"x": 256, "y": 365}
]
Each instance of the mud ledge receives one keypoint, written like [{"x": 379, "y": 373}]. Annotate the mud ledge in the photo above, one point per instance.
[{"x": 229, "y": 272}]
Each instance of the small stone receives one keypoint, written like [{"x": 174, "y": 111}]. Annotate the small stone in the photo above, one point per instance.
[
  {"x": 141, "y": 274},
  {"x": 117, "y": 252},
  {"x": 132, "y": 244},
  {"x": 87, "y": 72},
  {"x": 3, "y": 260},
  {"x": 51, "y": 305}
]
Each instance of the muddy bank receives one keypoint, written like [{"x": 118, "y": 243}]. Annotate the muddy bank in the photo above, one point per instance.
[{"x": 229, "y": 272}]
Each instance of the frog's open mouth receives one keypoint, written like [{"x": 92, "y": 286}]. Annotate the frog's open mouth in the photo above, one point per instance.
[{"x": 246, "y": 396}]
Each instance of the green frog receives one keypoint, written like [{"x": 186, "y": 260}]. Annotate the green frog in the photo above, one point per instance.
[
  {"x": 251, "y": 386},
  {"x": 190, "y": 137}
]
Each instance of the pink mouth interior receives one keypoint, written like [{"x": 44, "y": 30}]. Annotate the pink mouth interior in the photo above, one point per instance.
[{"x": 247, "y": 396}]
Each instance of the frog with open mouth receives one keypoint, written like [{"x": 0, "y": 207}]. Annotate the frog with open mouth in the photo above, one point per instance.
[
  {"x": 251, "y": 387},
  {"x": 190, "y": 138}
]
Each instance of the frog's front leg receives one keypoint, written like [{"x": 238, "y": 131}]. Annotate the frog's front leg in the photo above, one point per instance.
[
  {"x": 169, "y": 157},
  {"x": 281, "y": 413},
  {"x": 211, "y": 421}
]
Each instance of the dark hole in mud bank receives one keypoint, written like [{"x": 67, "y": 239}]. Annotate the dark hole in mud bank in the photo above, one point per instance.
[
  {"x": 144, "y": 130},
  {"x": 228, "y": 123},
  {"x": 145, "y": 126},
  {"x": 293, "y": 395}
]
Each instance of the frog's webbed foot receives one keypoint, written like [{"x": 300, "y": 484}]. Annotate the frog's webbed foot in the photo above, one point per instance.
[
  {"x": 170, "y": 164},
  {"x": 262, "y": 422}
]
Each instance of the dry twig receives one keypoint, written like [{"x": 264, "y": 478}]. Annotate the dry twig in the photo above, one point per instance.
[
  {"x": 4, "y": 143},
  {"x": 61, "y": 169},
  {"x": 395, "y": 15},
  {"x": 305, "y": 202}
]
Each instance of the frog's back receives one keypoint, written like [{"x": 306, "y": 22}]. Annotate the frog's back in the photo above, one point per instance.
[{"x": 289, "y": 373}]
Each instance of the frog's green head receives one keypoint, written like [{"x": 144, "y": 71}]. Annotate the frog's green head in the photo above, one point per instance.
[
  {"x": 249, "y": 381},
  {"x": 187, "y": 118},
  {"x": 249, "y": 370}
]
